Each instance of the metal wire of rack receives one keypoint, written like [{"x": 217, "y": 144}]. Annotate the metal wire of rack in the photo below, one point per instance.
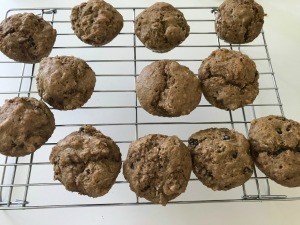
[{"x": 26, "y": 183}]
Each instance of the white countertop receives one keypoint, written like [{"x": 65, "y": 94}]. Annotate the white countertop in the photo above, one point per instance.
[{"x": 283, "y": 37}]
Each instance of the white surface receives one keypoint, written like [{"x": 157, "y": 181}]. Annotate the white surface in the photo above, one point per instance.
[{"x": 283, "y": 35}]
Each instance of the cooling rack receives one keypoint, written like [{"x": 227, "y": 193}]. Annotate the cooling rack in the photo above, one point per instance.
[{"x": 27, "y": 182}]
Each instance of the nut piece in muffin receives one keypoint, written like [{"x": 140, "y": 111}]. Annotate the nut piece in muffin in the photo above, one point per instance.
[
  {"x": 25, "y": 125},
  {"x": 158, "y": 167},
  {"x": 229, "y": 79},
  {"x": 65, "y": 82},
  {"x": 96, "y": 22},
  {"x": 221, "y": 158},
  {"x": 166, "y": 88},
  {"x": 87, "y": 162},
  {"x": 275, "y": 147},
  {"x": 161, "y": 27},
  {"x": 26, "y": 38},
  {"x": 239, "y": 21}
]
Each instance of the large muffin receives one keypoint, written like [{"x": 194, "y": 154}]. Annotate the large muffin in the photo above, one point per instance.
[
  {"x": 239, "y": 21},
  {"x": 26, "y": 37},
  {"x": 275, "y": 147},
  {"x": 161, "y": 27},
  {"x": 87, "y": 162},
  {"x": 96, "y": 22},
  {"x": 65, "y": 82},
  {"x": 158, "y": 167},
  {"x": 166, "y": 88},
  {"x": 229, "y": 79},
  {"x": 25, "y": 125},
  {"x": 221, "y": 158}
]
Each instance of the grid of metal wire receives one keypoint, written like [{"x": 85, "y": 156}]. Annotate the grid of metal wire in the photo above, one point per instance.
[{"x": 22, "y": 180}]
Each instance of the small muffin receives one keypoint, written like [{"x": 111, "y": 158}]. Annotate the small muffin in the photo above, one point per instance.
[
  {"x": 275, "y": 147},
  {"x": 239, "y": 21},
  {"x": 158, "y": 167},
  {"x": 96, "y": 22},
  {"x": 166, "y": 88},
  {"x": 87, "y": 162},
  {"x": 161, "y": 27},
  {"x": 65, "y": 82},
  {"x": 26, "y": 37},
  {"x": 221, "y": 158},
  {"x": 229, "y": 79},
  {"x": 25, "y": 125}
]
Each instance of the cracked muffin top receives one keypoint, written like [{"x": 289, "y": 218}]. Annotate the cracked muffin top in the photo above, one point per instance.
[
  {"x": 96, "y": 22},
  {"x": 161, "y": 27},
  {"x": 25, "y": 125},
  {"x": 87, "y": 162},
  {"x": 221, "y": 158},
  {"x": 158, "y": 167},
  {"x": 65, "y": 82},
  {"x": 26, "y": 37},
  {"x": 166, "y": 88},
  {"x": 239, "y": 21},
  {"x": 229, "y": 79},
  {"x": 275, "y": 147}
]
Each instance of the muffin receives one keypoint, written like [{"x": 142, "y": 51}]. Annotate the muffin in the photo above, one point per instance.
[
  {"x": 275, "y": 147},
  {"x": 25, "y": 125},
  {"x": 27, "y": 38},
  {"x": 239, "y": 21},
  {"x": 161, "y": 27},
  {"x": 65, "y": 82},
  {"x": 221, "y": 158},
  {"x": 96, "y": 22},
  {"x": 87, "y": 162},
  {"x": 229, "y": 79},
  {"x": 166, "y": 88},
  {"x": 158, "y": 167}
]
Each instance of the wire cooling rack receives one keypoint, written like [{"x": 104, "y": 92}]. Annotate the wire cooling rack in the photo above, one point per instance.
[{"x": 27, "y": 182}]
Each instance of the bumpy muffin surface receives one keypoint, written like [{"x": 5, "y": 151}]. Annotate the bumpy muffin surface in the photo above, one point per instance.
[
  {"x": 161, "y": 27},
  {"x": 87, "y": 162},
  {"x": 158, "y": 167},
  {"x": 229, "y": 79},
  {"x": 275, "y": 147},
  {"x": 25, "y": 125},
  {"x": 65, "y": 82},
  {"x": 166, "y": 88},
  {"x": 239, "y": 21},
  {"x": 221, "y": 158},
  {"x": 26, "y": 37},
  {"x": 96, "y": 22}
]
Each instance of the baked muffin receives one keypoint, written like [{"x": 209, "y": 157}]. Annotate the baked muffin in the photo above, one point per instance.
[
  {"x": 275, "y": 147},
  {"x": 221, "y": 158},
  {"x": 166, "y": 88},
  {"x": 65, "y": 82},
  {"x": 27, "y": 38},
  {"x": 25, "y": 125},
  {"x": 96, "y": 22},
  {"x": 87, "y": 162},
  {"x": 158, "y": 167},
  {"x": 161, "y": 27},
  {"x": 229, "y": 79},
  {"x": 239, "y": 21}
]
